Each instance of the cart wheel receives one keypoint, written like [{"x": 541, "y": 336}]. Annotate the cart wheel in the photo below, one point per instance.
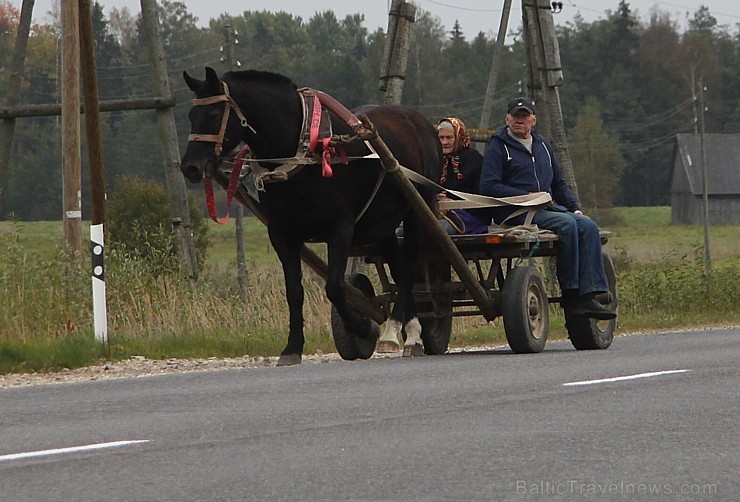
[
  {"x": 436, "y": 331},
  {"x": 589, "y": 334},
  {"x": 349, "y": 345},
  {"x": 525, "y": 309}
]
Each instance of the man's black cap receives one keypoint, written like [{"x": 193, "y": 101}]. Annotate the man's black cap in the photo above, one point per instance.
[{"x": 520, "y": 103}]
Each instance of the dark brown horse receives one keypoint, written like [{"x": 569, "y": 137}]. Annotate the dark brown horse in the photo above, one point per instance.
[{"x": 349, "y": 206}]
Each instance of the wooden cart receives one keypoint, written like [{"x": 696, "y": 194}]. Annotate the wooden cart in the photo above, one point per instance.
[{"x": 501, "y": 264}]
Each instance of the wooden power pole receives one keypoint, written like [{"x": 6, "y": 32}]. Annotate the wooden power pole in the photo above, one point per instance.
[
  {"x": 230, "y": 42},
  {"x": 485, "y": 117},
  {"x": 71, "y": 157},
  {"x": 13, "y": 95},
  {"x": 544, "y": 76},
  {"x": 396, "y": 54},
  {"x": 704, "y": 181},
  {"x": 92, "y": 114},
  {"x": 168, "y": 137}
]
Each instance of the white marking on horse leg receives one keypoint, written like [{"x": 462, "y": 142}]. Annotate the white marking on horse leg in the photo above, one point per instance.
[
  {"x": 388, "y": 341},
  {"x": 414, "y": 346}
]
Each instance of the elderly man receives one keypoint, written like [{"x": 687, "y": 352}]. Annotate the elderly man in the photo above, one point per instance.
[{"x": 519, "y": 161}]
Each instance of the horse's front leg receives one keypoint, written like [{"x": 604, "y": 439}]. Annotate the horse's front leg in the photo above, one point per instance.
[
  {"x": 289, "y": 252},
  {"x": 337, "y": 254}
]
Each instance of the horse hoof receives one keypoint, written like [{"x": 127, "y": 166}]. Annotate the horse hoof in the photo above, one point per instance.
[
  {"x": 414, "y": 350},
  {"x": 387, "y": 347},
  {"x": 289, "y": 360}
]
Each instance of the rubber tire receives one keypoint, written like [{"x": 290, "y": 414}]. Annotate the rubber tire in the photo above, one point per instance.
[
  {"x": 525, "y": 308},
  {"x": 349, "y": 345},
  {"x": 592, "y": 334},
  {"x": 436, "y": 331}
]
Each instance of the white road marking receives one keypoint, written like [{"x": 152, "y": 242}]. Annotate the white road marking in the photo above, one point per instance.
[
  {"x": 628, "y": 377},
  {"x": 72, "y": 449}
]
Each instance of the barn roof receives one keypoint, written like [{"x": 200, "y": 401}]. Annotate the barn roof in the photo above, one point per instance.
[{"x": 723, "y": 162}]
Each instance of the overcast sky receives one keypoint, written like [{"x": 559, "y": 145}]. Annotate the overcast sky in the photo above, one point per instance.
[{"x": 474, "y": 15}]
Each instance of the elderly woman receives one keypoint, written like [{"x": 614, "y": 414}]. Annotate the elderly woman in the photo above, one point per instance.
[{"x": 460, "y": 172}]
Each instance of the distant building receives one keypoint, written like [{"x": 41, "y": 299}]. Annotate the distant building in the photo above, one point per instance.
[{"x": 723, "y": 179}]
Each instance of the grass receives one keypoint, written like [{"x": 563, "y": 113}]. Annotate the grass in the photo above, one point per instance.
[
  {"x": 647, "y": 236},
  {"x": 46, "y": 310}
]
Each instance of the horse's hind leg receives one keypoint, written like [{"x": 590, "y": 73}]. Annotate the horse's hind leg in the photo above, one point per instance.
[
  {"x": 403, "y": 264},
  {"x": 388, "y": 341}
]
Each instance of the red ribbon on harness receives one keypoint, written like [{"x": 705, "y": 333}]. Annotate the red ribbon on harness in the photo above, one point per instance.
[
  {"x": 313, "y": 141},
  {"x": 230, "y": 191}
]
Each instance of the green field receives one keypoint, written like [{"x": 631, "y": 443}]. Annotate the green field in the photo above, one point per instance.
[
  {"x": 46, "y": 308},
  {"x": 646, "y": 236}
]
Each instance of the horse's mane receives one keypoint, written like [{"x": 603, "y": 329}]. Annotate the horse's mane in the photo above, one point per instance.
[{"x": 261, "y": 76}]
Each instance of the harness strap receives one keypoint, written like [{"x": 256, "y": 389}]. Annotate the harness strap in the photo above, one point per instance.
[
  {"x": 535, "y": 200},
  {"x": 218, "y": 139},
  {"x": 372, "y": 195},
  {"x": 230, "y": 191}
]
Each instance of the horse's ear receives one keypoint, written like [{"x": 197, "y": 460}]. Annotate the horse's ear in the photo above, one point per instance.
[
  {"x": 194, "y": 84},
  {"x": 211, "y": 75},
  {"x": 212, "y": 80}
]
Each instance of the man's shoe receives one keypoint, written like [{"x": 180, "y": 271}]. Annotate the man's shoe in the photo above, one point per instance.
[{"x": 589, "y": 307}]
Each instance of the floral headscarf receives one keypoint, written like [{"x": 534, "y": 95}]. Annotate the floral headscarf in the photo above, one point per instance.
[{"x": 462, "y": 140}]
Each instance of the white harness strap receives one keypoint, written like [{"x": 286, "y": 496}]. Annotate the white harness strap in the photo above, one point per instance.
[{"x": 530, "y": 202}]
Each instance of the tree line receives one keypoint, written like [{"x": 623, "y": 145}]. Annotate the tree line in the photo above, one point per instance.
[{"x": 629, "y": 87}]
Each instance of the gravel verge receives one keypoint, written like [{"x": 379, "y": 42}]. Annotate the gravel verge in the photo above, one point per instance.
[{"x": 140, "y": 366}]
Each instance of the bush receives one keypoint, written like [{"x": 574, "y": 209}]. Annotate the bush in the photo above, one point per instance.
[{"x": 140, "y": 224}]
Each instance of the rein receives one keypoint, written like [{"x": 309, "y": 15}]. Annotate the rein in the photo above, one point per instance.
[{"x": 230, "y": 191}]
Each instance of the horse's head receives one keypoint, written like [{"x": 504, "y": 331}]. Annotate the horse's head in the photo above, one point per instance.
[{"x": 216, "y": 125}]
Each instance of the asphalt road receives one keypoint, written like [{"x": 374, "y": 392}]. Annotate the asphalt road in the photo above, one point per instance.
[{"x": 475, "y": 426}]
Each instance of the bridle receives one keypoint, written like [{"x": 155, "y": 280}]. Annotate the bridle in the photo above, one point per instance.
[
  {"x": 309, "y": 150},
  {"x": 218, "y": 139}
]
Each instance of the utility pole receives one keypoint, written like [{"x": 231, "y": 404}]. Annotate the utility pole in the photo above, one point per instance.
[
  {"x": 694, "y": 98},
  {"x": 92, "y": 114},
  {"x": 704, "y": 182},
  {"x": 396, "y": 54},
  {"x": 13, "y": 95},
  {"x": 168, "y": 137},
  {"x": 485, "y": 117},
  {"x": 544, "y": 76},
  {"x": 71, "y": 157},
  {"x": 230, "y": 42}
]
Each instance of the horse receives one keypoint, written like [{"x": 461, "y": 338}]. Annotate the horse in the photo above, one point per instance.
[{"x": 344, "y": 203}]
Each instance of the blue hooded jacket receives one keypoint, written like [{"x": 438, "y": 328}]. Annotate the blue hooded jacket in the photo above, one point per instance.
[{"x": 509, "y": 170}]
